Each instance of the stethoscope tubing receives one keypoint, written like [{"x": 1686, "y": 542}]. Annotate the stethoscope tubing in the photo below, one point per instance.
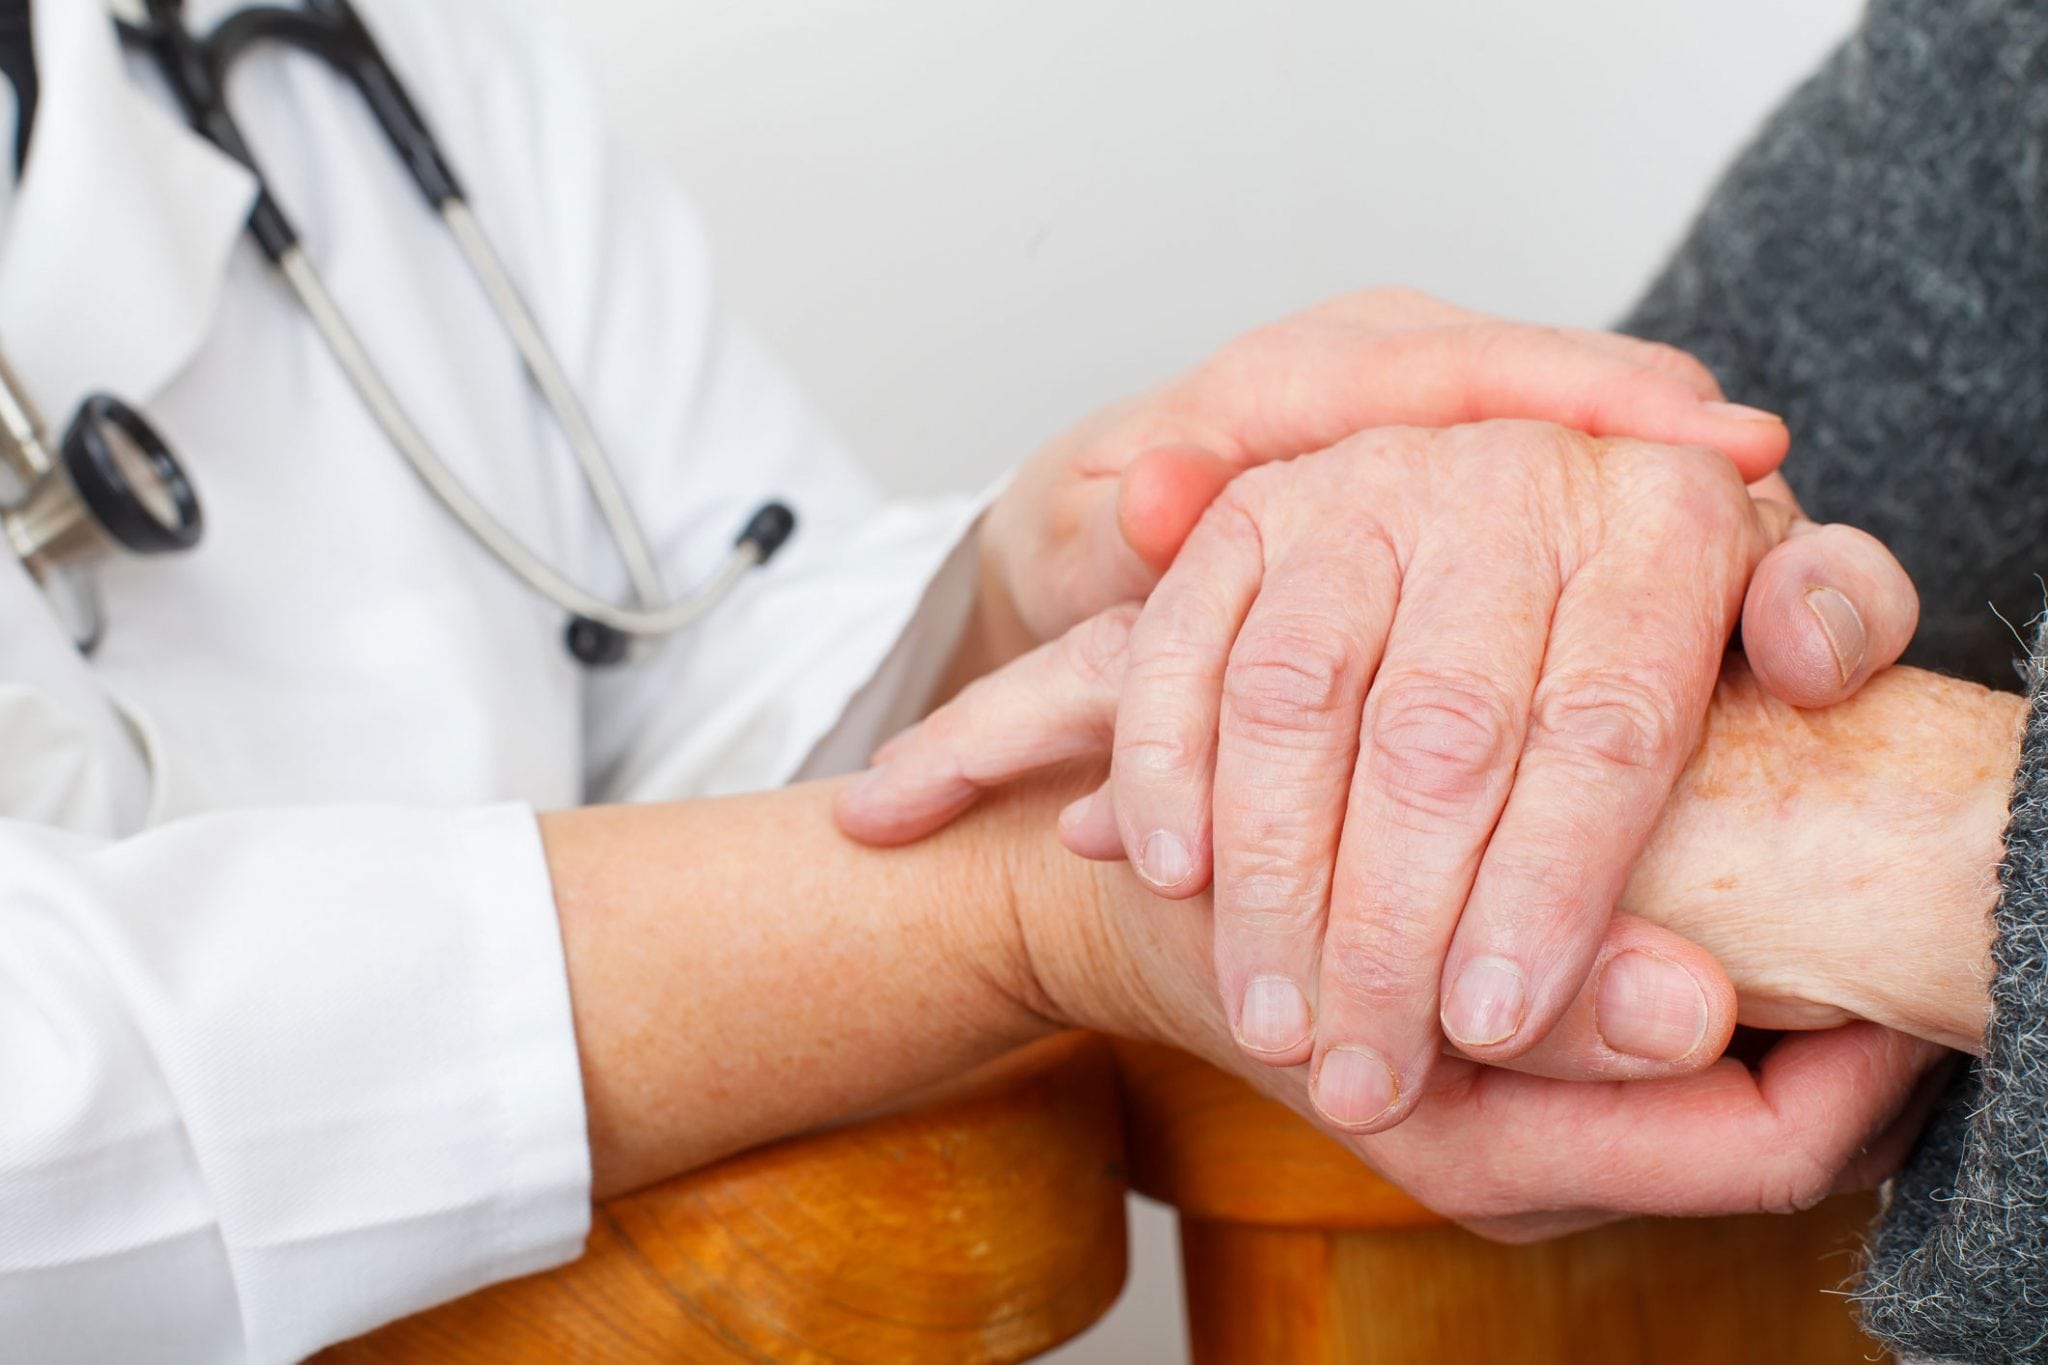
[
  {"x": 469, "y": 511},
  {"x": 331, "y": 30}
]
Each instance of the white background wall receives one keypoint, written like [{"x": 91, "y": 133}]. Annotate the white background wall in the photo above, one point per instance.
[{"x": 965, "y": 224}]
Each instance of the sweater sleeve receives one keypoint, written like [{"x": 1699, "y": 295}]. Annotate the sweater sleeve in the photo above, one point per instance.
[
  {"x": 1959, "y": 1265},
  {"x": 1874, "y": 266}
]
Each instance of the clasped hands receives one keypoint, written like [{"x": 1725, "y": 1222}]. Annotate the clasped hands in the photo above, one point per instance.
[{"x": 1421, "y": 711}]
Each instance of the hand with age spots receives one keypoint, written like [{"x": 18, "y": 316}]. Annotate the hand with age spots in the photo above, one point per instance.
[
  {"x": 1841, "y": 865},
  {"x": 1415, "y": 702}
]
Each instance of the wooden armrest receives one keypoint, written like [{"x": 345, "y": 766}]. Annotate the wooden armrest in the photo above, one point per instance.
[{"x": 985, "y": 1223}]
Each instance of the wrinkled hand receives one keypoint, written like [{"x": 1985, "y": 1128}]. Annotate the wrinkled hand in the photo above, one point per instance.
[
  {"x": 1841, "y": 863},
  {"x": 1095, "y": 516},
  {"x": 1423, "y": 695}
]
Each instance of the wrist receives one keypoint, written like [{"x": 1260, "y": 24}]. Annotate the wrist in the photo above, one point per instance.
[
  {"x": 1083, "y": 956},
  {"x": 1932, "y": 978},
  {"x": 1843, "y": 863}
]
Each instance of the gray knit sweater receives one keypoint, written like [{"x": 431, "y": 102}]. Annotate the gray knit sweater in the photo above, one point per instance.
[{"x": 1875, "y": 267}]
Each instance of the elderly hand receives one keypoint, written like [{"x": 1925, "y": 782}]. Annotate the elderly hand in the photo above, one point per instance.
[
  {"x": 1841, "y": 863},
  {"x": 1424, "y": 695}
]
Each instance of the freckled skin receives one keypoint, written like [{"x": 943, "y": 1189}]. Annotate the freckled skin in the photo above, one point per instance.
[{"x": 1872, "y": 830}]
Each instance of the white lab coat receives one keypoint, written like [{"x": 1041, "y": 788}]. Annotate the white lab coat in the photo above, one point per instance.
[{"x": 285, "y": 1044}]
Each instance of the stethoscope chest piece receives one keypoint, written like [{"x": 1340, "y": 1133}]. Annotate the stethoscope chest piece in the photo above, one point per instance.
[{"x": 113, "y": 486}]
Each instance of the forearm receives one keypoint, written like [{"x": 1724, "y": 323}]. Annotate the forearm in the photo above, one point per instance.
[{"x": 739, "y": 971}]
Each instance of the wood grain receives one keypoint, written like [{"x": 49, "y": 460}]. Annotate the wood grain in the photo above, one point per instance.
[
  {"x": 1293, "y": 1251},
  {"x": 984, "y": 1224},
  {"x": 1658, "y": 1292}
]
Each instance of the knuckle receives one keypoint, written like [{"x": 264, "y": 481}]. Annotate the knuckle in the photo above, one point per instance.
[
  {"x": 1801, "y": 1184},
  {"x": 1290, "y": 680},
  {"x": 1619, "y": 721},
  {"x": 1694, "y": 487},
  {"x": 1268, "y": 899},
  {"x": 1096, "y": 649},
  {"x": 1524, "y": 444},
  {"x": 1157, "y": 751},
  {"x": 1440, "y": 742},
  {"x": 1384, "y": 960}
]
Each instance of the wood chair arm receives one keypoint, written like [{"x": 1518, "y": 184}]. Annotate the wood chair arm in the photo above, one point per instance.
[
  {"x": 985, "y": 1223},
  {"x": 1291, "y": 1249}
]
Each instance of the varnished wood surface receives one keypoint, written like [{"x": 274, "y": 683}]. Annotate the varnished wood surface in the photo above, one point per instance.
[
  {"x": 1645, "y": 1292},
  {"x": 1211, "y": 1146},
  {"x": 985, "y": 1224},
  {"x": 1293, "y": 1251}
]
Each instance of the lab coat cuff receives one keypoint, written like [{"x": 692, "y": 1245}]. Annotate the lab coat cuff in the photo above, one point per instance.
[
  {"x": 407, "y": 1124},
  {"x": 538, "y": 1075}
]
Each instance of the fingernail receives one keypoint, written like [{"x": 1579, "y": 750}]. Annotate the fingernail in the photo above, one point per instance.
[
  {"x": 1274, "y": 1017},
  {"x": 1650, "y": 1007},
  {"x": 1485, "y": 1003},
  {"x": 1843, "y": 627},
  {"x": 863, "y": 785},
  {"x": 1353, "y": 1086},
  {"x": 1742, "y": 412},
  {"x": 1165, "y": 861}
]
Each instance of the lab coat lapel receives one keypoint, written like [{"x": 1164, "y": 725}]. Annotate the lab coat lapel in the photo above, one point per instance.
[{"x": 121, "y": 229}]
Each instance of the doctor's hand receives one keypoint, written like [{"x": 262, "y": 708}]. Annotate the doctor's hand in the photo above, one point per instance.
[
  {"x": 1094, "y": 517},
  {"x": 1418, "y": 700}
]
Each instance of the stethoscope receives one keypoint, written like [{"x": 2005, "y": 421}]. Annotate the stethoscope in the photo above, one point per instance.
[{"x": 116, "y": 483}]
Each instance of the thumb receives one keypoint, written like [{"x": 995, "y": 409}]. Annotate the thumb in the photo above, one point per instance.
[
  {"x": 1052, "y": 706},
  {"x": 1163, "y": 494},
  {"x": 1654, "y": 1004},
  {"x": 1826, "y": 609}
]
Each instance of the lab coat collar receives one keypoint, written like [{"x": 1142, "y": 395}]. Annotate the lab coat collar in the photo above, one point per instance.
[{"x": 112, "y": 260}]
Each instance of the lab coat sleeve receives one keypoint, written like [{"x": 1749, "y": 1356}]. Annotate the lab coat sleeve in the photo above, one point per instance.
[
  {"x": 841, "y": 639},
  {"x": 270, "y": 1079}
]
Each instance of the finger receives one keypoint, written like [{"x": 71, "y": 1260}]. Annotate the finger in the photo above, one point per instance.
[
  {"x": 1390, "y": 305},
  {"x": 1637, "y": 643},
  {"x": 1826, "y": 609},
  {"x": 1442, "y": 725},
  {"x": 1320, "y": 384},
  {"x": 1772, "y": 487},
  {"x": 1286, "y": 749},
  {"x": 1882, "y": 1157},
  {"x": 1163, "y": 764},
  {"x": 1051, "y": 706},
  {"x": 1088, "y": 827},
  {"x": 1726, "y": 1140},
  {"x": 1651, "y": 995},
  {"x": 1681, "y": 365},
  {"x": 1163, "y": 493},
  {"x": 1537, "y": 1227}
]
